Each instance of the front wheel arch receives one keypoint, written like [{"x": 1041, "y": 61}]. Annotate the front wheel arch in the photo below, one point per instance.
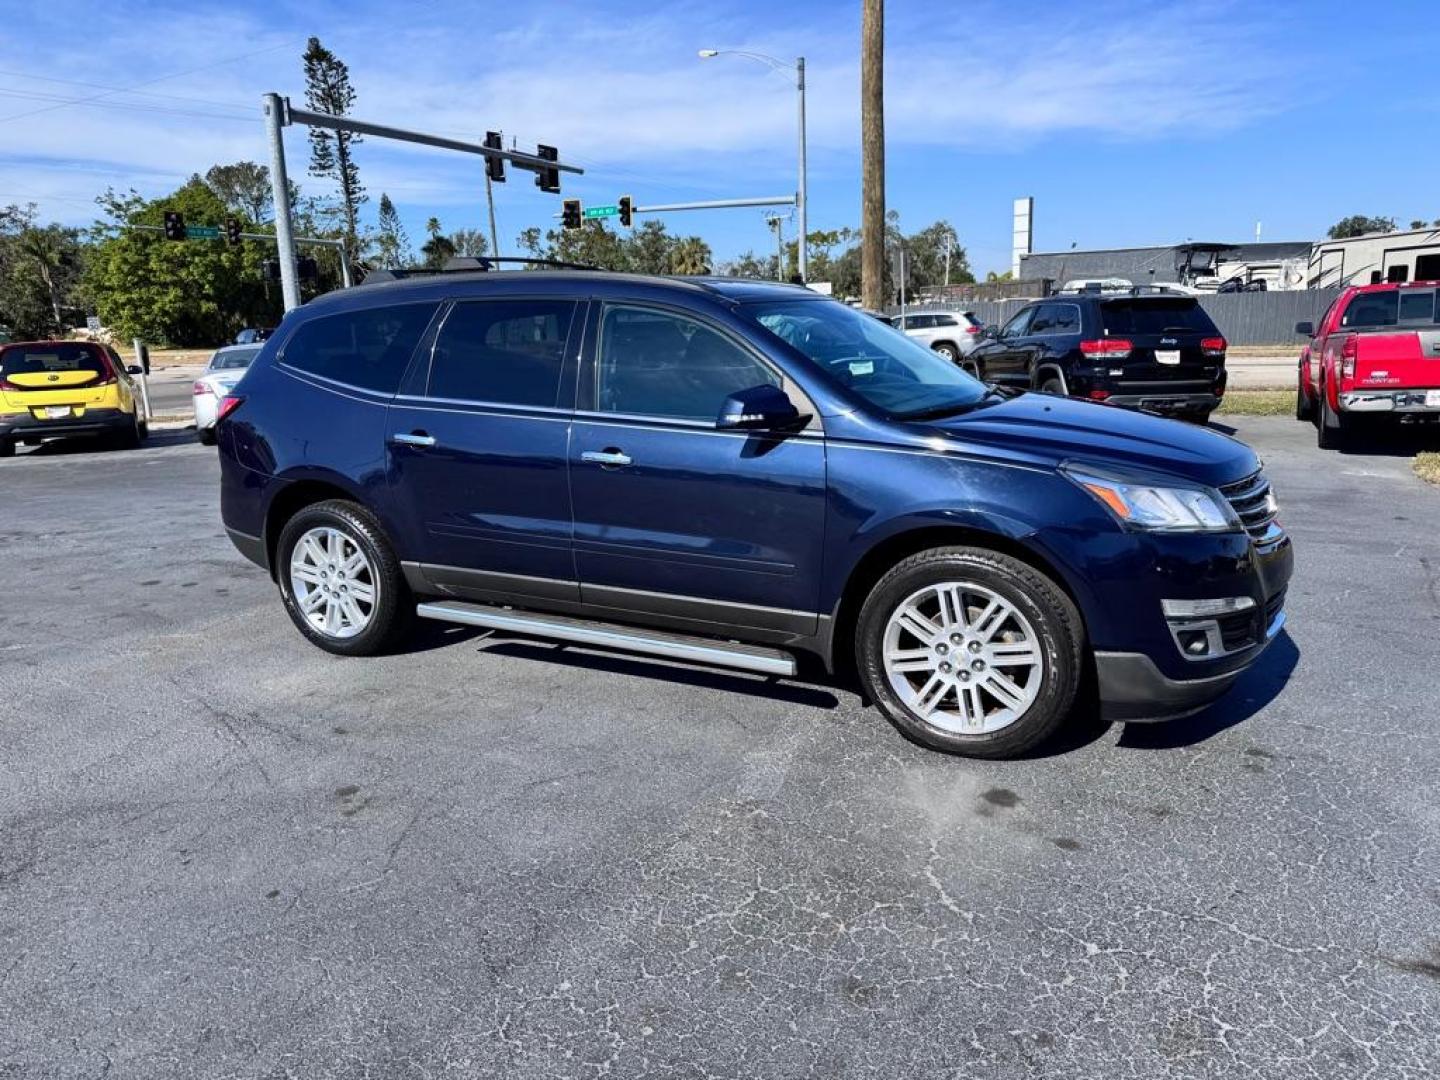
[{"x": 878, "y": 560}]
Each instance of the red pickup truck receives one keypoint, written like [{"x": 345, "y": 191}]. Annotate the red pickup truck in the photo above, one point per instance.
[{"x": 1376, "y": 353}]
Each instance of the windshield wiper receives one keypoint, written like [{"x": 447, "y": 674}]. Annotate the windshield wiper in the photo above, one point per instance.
[{"x": 954, "y": 408}]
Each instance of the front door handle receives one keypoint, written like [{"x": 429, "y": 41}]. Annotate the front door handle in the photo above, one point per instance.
[
  {"x": 413, "y": 438},
  {"x": 609, "y": 458}
]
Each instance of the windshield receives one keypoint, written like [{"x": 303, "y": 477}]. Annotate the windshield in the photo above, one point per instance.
[
  {"x": 231, "y": 359},
  {"x": 889, "y": 370}
]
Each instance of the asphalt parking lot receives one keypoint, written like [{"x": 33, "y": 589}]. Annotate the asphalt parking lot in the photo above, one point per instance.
[{"x": 224, "y": 853}]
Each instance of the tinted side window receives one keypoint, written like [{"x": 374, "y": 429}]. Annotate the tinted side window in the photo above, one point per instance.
[
  {"x": 369, "y": 349},
  {"x": 653, "y": 363},
  {"x": 506, "y": 351},
  {"x": 945, "y": 320},
  {"x": 1018, "y": 325},
  {"x": 1066, "y": 319}
]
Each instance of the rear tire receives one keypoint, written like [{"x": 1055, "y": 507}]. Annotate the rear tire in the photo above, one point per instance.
[
  {"x": 1196, "y": 416},
  {"x": 1304, "y": 407},
  {"x": 345, "y": 558},
  {"x": 130, "y": 438},
  {"x": 7, "y": 447},
  {"x": 970, "y": 651},
  {"x": 206, "y": 436},
  {"x": 950, "y": 352},
  {"x": 1331, "y": 432},
  {"x": 1052, "y": 385}
]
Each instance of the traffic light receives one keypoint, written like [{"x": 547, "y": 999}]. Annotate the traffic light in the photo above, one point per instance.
[
  {"x": 627, "y": 210},
  {"x": 495, "y": 166},
  {"x": 548, "y": 179},
  {"x": 233, "y": 230},
  {"x": 270, "y": 270},
  {"x": 571, "y": 217},
  {"x": 174, "y": 225}
]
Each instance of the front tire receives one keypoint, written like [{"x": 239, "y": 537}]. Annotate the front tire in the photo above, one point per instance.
[
  {"x": 340, "y": 580},
  {"x": 970, "y": 651}
]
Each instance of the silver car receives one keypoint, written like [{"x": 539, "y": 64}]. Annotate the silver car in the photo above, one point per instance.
[
  {"x": 950, "y": 333},
  {"x": 218, "y": 379}
]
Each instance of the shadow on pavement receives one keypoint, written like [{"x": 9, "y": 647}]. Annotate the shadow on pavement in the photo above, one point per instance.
[
  {"x": 704, "y": 678},
  {"x": 1255, "y": 689},
  {"x": 82, "y": 445}
]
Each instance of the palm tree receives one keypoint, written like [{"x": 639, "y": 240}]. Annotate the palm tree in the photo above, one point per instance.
[{"x": 691, "y": 255}]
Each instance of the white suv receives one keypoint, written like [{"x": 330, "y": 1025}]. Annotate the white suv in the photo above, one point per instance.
[{"x": 950, "y": 333}]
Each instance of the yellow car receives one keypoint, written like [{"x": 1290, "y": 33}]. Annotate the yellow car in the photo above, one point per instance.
[{"x": 70, "y": 388}]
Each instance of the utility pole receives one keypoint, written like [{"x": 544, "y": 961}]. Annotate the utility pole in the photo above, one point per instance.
[
  {"x": 872, "y": 148},
  {"x": 275, "y": 120},
  {"x": 802, "y": 196},
  {"x": 490, "y": 199},
  {"x": 775, "y": 223}
]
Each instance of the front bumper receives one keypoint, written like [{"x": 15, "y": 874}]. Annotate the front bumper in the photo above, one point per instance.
[
  {"x": 92, "y": 422},
  {"x": 1133, "y": 689}
]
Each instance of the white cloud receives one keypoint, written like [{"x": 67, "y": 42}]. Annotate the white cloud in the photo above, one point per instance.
[{"x": 624, "y": 96}]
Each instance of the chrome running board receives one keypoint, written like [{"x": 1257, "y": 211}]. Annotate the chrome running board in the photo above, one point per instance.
[{"x": 613, "y": 636}]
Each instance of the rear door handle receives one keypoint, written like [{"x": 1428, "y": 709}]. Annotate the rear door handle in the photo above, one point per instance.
[
  {"x": 414, "y": 438},
  {"x": 606, "y": 457}
]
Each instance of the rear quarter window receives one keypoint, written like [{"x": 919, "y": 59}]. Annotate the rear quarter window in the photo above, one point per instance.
[{"x": 368, "y": 349}]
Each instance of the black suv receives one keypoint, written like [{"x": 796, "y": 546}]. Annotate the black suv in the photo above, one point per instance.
[{"x": 1148, "y": 350}]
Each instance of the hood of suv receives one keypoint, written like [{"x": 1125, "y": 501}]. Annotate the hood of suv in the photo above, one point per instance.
[{"x": 1056, "y": 429}]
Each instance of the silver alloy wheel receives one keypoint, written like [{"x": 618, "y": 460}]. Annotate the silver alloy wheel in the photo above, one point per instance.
[
  {"x": 333, "y": 582},
  {"x": 962, "y": 658}
]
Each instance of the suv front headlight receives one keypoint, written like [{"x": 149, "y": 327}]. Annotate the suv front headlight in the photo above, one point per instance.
[{"x": 1158, "y": 508}]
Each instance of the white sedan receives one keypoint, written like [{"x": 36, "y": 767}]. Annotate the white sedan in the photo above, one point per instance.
[{"x": 218, "y": 379}]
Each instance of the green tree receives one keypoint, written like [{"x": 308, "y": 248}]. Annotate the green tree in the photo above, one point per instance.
[
  {"x": 749, "y": 265},
  {"x": 245, "y": 188},
  {"x": 437, "y": 250},
  {"x": 328, "y": 90},
  {"x": 649, "y": 249},
  {"x": 392, "y": 244},
  {"x": 1359, "y": 225},
  {"x": 40, "y": 270},
  {"x": 690, "y": 255},
  {"x": 925, "y": 257},
  {"x": 195, "y": 292},
  {"x": 470, "y": 242}
]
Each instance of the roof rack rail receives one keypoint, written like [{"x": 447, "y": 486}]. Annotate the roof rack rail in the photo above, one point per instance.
[{"x": 465, "y": 264}]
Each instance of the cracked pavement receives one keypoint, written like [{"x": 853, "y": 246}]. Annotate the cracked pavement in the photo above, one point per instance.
[{"x": 224, "y": 853}]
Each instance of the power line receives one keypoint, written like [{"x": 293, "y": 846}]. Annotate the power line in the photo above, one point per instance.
[
  {"x": 131, "y": 106},
  {"x": 147, "y": 82},
  {"x": 122, "y": 90}
]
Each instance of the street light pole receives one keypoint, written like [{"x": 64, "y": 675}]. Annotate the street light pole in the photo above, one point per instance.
[{"x": 801, "y": 195}]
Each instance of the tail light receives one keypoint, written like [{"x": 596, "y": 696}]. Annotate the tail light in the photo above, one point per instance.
[
  {"x": 202, "y": 388},
  {"x": 1348, "y": 352},
  {"x": 228, "y": 404},
  {"x": 1107, "y": 348},
  {"x": 1098, "y": 395},
  {"x": 972, "y": 329},
  {"x": 1212, "y": 346},
  {"x": 6, "y": 384}
]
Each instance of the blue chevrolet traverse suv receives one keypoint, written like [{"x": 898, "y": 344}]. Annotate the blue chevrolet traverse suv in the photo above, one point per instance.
[{"x": 735, "y": 472}]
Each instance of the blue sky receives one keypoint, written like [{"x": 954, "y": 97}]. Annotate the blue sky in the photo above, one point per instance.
[{"x": 1130, "y": 123}]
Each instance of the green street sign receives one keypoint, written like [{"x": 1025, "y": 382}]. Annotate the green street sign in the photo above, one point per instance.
[
  {"x": 600, "y": 211},
  {"x": 202, "y": 232}
]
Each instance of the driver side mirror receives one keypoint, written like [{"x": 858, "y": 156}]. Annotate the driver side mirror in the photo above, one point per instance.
[
  {"x": 134, "y": 369},
  {"x": 758, "y": 408},
  {"x": 1305, "y": 329}
]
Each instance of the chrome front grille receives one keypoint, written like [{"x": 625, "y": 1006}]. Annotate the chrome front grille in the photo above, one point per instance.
[{"x": 1254, "y": 503}]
